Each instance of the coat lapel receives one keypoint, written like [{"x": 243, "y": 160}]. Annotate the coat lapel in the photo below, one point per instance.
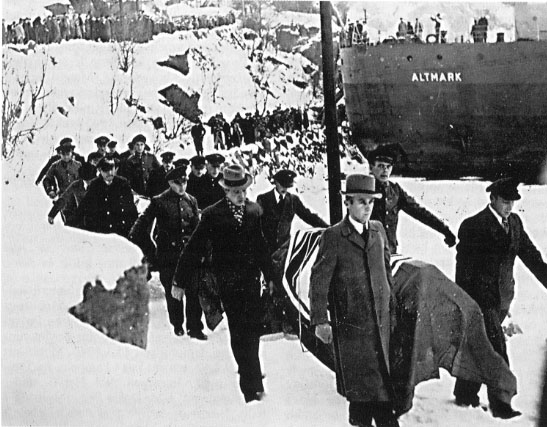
[{"x": 349, "y": 232}]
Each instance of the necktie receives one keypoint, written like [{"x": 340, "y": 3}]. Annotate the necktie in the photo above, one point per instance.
[
  {"x": 505, "y": 224},
  {"x": 364, "y": 235}
]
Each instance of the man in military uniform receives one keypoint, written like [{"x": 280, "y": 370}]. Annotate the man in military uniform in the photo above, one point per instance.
[
  {"x": 196, "y": 180},
  {"x": 53, "y": 159},
  {"x": 101, "y": 142},
  {"x": 108, "y": 206},
  {"x": 139, "y": 165},
  {"x": 212, "y": 188},
  {"x": 489, "y": 243},
  {"x": 394, "y": 199},
  {"x": 62, "y": 173},
  {"x": 198, "y": 132},
  {"x": 239, "y": 254},
  {"x": 176, "y": 215},
  {"x": 111, "y": 150},
  {"x": 69, "y": 201},
  {"x": 157, "y": 183}
]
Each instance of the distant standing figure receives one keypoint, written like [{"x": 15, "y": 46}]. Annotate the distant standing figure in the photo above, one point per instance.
[
  {"x": 198, "y": 132},
  {"x": 489, "y": 243},
  {"x": 402, "y": 29},
  {"x": 418, "y": 29},
  {"x": 437, "y": 19}
]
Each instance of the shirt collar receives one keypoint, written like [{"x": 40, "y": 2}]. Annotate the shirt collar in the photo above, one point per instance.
[
  {"x": 278, "y": 196},
  {"x": 497, "y": 215},
  {"x": 357, "y": 225}
]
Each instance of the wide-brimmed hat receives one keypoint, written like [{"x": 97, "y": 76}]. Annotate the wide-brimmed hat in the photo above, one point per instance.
[
  {"x": 505, "y": 188},
  {"x": 235, "y": 177},
  {"x": 363, "y": 185}
]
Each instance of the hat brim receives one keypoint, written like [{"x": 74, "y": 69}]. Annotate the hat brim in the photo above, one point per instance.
[
  {"x": 372, "y": 195},
  {"x": 236, "y": 185}
]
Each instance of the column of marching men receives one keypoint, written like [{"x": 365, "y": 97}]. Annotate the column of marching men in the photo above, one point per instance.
[{"x": 205, "y": 221}]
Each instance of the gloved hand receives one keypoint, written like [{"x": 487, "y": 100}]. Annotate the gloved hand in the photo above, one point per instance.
[
  {"x": 324, "y": 332},
  {"x": 177, "y": 293},
  {"x": 50, "y": 219},
  {"x": 449, "y": 239},
  {"x": 52, "y": 194}
]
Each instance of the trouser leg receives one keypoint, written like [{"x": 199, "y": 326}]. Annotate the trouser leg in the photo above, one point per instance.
[
  {"x": 175, "y": 308},
  {"x": 193, "y": 310}
]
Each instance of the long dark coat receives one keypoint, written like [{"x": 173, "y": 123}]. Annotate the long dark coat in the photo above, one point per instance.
[
  {"x": 197, "y": 187},
  {"x": 157, "y": 183},
  {"x": 108, "y": 208},
  {"x": 354, "y": 281},
  {"x": 276, "y": 221},
  {"x": 212, "y": 190},
  {"x": 486, "y": 256},
  {"x": 395, "y": 199},
  {"x": 176, "y": 219},
  {"x": 235, "y": 250},
  {"x": 138, "y": 170}
]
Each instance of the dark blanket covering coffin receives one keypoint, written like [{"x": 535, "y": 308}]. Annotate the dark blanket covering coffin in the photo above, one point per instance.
[{"x": 438, "y": 324}]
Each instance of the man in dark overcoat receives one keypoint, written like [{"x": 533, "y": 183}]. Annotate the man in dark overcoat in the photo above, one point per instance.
[
  {"x": 108, "y": 206},
  {"x": 213, "y": 191},
  {"x": 139, "y": 165},
  {"x": 239, "y": 255},
  {"x": 351, "y": 278},
  {"x": 280, "y": 207},
  {"x": 157, "y": 183},
  {"x": 488, "y": 244},
  {"x": 176, "y": 215},
  {"x": 196, "y": 180},
  {"x": 395, "y": 199},
  {"x": 101, "y": 142}
]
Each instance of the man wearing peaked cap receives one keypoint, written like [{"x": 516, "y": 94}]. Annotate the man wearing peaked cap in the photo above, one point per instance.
[
  {"x": 62, "y": 172},
  {"x": 196, "y": 180},
  {"x": 239, "y": 254},
  {"x": 176, "y": 215},
  {"x": 139, "y": 166},
  {"x": 395, "y": 199},
  {"x": 111, "y": 151},
  {"x": 157, "y": 182},
  {"x": 54, "y": 158},
  {"x": 69, "y": 201},
  {"x": 280, "y": 208},
  {"x": 101, "y": 142},
  {"x": 108, "y": 205},
  {"x": 181, "y": 162},
  {"x": 489, "y": 242},
  {"x": 351, "y": 279},
  {"x": 212, "y": 190}
]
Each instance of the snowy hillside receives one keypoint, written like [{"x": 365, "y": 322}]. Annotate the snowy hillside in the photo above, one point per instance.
[{"x": 59, "y": 371}]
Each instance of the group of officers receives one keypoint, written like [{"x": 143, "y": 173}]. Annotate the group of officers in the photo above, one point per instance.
[{"x": 205, "y": 220}]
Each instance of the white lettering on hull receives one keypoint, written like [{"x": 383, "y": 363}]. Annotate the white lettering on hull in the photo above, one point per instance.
[{"x": 436, "y": 77}]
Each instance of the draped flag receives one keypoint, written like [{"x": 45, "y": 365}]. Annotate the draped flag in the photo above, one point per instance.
[{"x": 438, "y": 325}]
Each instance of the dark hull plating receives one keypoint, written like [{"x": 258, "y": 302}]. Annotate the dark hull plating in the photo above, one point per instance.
[{"x": 455, "y": 109}]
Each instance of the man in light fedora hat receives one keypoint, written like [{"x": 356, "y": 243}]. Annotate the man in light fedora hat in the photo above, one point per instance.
[
  {"x": 351, "y": 278},
  {"x": 232, "y": 227}
]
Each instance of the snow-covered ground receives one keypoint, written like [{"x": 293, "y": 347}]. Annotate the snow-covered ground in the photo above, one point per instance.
[{"x": 59, "y": 371}]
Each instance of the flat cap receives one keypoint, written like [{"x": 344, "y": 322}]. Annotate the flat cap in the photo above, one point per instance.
[
  {"x": 181, "y": 162},
  {"x": 505, "y": 188},
  {"x": 167, "y": 156},
  {"x": 215, "y": 158},
  {"x": 101, "y": 141},
  {"x": 107, "y": 163},
  {"x": 177, "y": 173},
  {"x": 285, "y": 177},
  {"x": 139, "y": 138}
]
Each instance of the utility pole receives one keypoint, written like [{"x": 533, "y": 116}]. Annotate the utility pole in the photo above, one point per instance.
[{"x": 331, "y": 123}]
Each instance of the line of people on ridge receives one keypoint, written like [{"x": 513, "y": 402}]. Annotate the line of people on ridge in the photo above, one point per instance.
[{"x": 236, "y": 238}]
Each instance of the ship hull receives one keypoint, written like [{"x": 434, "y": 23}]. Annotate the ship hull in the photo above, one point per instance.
[{"x": 454, "y": 109}]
